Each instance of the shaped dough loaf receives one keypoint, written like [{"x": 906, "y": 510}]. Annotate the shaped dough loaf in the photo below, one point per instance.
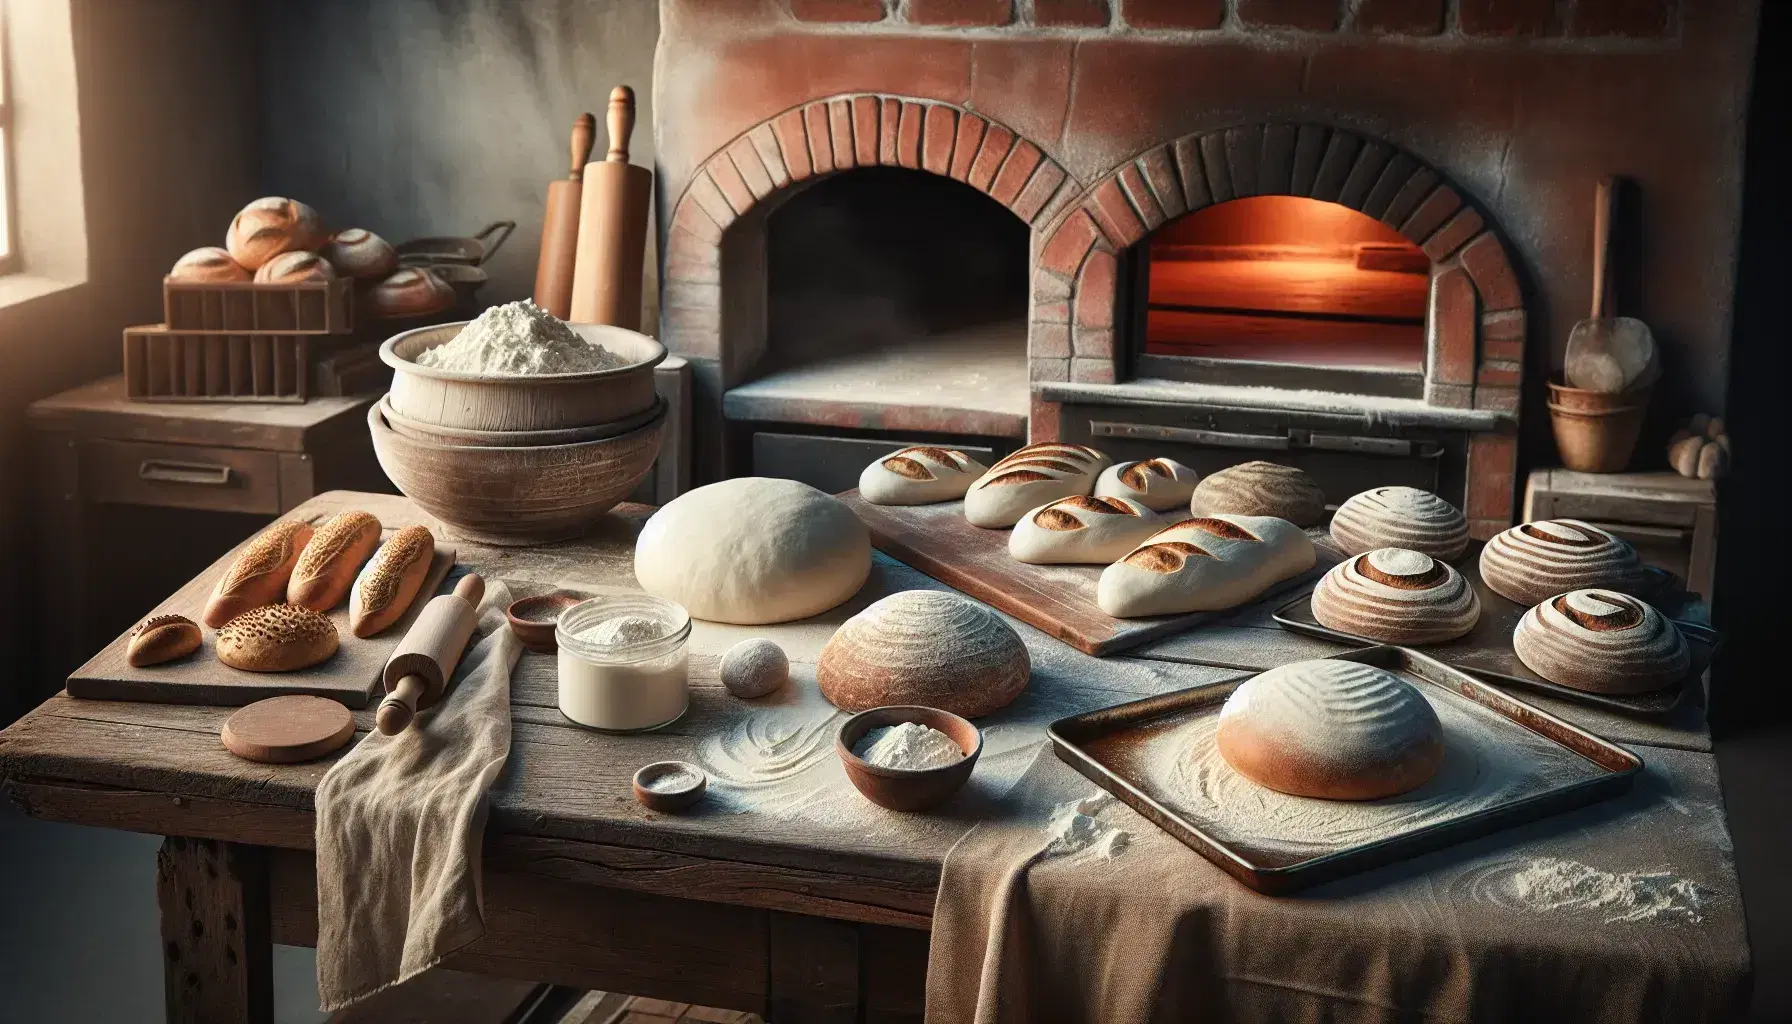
[
  {"x": 1029, "y": 478},
  {"x": 1204, "y": 564},
  {"x": 1081, "y": 530},
  {"x": 919, "y": 475},
  {"x": 1158, "y": 484}
]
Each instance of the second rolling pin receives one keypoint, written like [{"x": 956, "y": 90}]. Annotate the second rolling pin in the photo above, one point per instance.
[
  {"x": 421, "y": 666},
  {"x": 560, "y": 226},
  {"x": 606, "y": 286}
]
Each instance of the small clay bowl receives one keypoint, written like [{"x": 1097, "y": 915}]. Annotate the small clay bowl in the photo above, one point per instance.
[
  {"x": 533, "y": 619},
  {"x": 902, "y": 789},
  {"x": 669, "y": 786}
]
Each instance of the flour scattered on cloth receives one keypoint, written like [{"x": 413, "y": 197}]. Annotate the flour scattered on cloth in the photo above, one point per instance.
[
  {"x": 519, "y": 338},
  {"x": 1557, "y": 884},
  {"x": 1074, "y": 829}
]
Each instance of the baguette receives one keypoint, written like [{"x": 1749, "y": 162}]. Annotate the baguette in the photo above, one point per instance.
[
  {"x": 390, "y": 582},
  {"x": 259, "y": 574},
  {"x": 277, "y": 638},
  {"x": 162, "y": 638},
  {"x": 327, "y": 567}
]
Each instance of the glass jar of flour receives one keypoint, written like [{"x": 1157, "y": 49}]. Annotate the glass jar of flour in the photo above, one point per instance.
[{"x": 623, "y": 662}]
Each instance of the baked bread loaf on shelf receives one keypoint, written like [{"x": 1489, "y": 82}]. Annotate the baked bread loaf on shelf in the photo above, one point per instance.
[
  {"x": 935, "y": 648},
  {"x": 1030, "y": 477},
  {"x": 1158, "y": 484},
  {"x": 1396, "y": 596},
  {"x": 1335, "y": 730},
  {"x": 327, "y": 567},
  {"x": 1081, "y": 530},
  {"x": 1204, "y": 564},
  {"x": 270, "y": 226},
  {"x": 1400, "y": 517},
  {"x": 1601, "y": 641},
  {"x": 162, "y": 638},
  {"x": 360, "y": 254},
  {"x": 1260, "y": 489},
  {"x": 259, "y": 574},
  {"x": 1532, "y": 562},
  {"x": 277, "y": 638},
  {"x": 389, "y": 582},
  {"x": 411, "y": 291},
  {"x": 919, "y": 475},
  {"x": 209, "y": 265},
  {"x": 294, "y": 268}
]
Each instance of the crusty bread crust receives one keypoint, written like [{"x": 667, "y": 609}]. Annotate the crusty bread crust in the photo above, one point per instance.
[
  {"x": 391, "y": 581},
  {"x": 327, "y": 566},
  {"x": 259, "y": 574},
  {"x": 277, "y": 638},
  {"x": 162, "y": 638}
]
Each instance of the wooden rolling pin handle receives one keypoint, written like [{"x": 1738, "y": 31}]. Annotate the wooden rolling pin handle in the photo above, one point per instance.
[
  {"x": 584, "y": 134},
  {"x": 400, "y": 706},
  {"x": 621, "y": 122},
  {"x": 470, "y": 589}
]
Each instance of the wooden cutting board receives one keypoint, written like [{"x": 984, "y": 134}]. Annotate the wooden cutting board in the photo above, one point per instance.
[
  {"x": 351, "y": 675},
  {"x": 1059, "y": 600}
]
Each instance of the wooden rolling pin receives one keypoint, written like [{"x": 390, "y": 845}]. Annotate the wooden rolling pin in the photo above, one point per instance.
[
  {"x": 560, "y": 227},
  {"x": 606, "y": 285},
  {"x": 420, "y": 667}
]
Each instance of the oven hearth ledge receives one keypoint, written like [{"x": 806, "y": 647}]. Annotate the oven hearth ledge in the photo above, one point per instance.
[{"x": 1369, "y": 409}]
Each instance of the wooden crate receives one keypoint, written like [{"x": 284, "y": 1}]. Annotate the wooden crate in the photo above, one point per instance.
[
  {"x": 166, "y": 365},
  {"x": 242, "y": 307}
]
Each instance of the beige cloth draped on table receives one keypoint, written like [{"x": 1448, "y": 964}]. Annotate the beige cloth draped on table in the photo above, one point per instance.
[
  {"x": 1023, "y": 933},
  {"x": 400, "y": 824}
]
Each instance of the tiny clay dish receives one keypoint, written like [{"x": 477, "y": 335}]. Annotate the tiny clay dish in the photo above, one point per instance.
[
  {"x": 908, "y": 789},
  {"x": 533, "y": 619},
  {"x": 669, "y": 786}
]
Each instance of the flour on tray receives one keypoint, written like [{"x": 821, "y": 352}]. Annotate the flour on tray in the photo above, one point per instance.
[{"x": 518, "y": 339}]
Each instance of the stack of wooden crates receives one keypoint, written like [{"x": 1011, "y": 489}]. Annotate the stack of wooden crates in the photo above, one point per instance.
[{"x": 237, "y": 341}]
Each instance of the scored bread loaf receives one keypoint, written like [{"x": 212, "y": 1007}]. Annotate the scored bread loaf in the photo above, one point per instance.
[
  {"x": 1029, "y": 478},
  {"x": 1603, "y": 642},
  {"x": 1533, "y": 562},
  {"x": 1396, "y": 596},
  {"x": 162, "y": 638},
  {"x": 270, "y": 226},
  {"x": 411, "y": 291},
  {"x": 1400, "y": 517},
  {"x": 918, "y": 475},
  {"x": 1158, "y": 484},
  {"x": 361, "y": 254},
  {"x": 1081, "y": 530},
  {"x": 389, "y": 583},
  {"x": 294, "y": 268},
  {"x": 934, "y": 648},
  {"x": 332, "y": 557},
  {"x": 208, "y": 265},
  {"x": 1204, "y": 564},
  {"x": 1260, "y": 489},
  {"x": 259, "y": 574},
  {"x": 277, "y": 638},
  {"x": 1331, "y": 729}
]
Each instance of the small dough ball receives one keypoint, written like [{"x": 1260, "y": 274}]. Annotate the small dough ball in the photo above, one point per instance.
[{"x": 754, "y": 668}]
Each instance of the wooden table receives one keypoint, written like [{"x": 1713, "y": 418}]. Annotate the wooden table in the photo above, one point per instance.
[{"x": 815, "y": 911}]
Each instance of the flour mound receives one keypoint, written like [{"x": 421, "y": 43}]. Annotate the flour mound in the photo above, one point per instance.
[
  {"x": 910, "y": 746},
  {"x": 520, "y": 339},
  {"x": 623, "y": 630},
  {"x": 1074, "y": 829}
]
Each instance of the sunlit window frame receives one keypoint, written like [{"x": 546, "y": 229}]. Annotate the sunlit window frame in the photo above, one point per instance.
[{"x": 9, "y": 209}]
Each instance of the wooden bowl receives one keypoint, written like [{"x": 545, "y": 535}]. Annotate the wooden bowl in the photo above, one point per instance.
[
  {"x": 548, "y": 401},
  {"x": 514, "y": 438},
  {"x": 902, "y": 789},
  {"x": 534, "y": 619},
  {"x": 670, "y": 785},
  {"x": 516, "y": 496}
]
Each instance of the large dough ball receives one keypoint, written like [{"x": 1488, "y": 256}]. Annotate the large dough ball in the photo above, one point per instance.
[{"x": 753, "y": 550}]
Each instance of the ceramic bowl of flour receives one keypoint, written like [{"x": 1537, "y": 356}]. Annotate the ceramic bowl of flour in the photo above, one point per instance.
[
  {"x": 516, "y": 496},
  {"x": 894, "y": 784},
  {"x": 521, "y": 402}
]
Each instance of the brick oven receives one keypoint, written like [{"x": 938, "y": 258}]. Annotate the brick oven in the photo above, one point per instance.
[{"x": 1349, "y": 236}]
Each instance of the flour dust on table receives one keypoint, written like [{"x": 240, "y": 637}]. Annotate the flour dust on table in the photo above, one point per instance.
[{"x": 1558, "y": 884}]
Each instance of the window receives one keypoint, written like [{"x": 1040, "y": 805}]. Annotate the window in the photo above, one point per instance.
[{"x": 8, "y": 251}]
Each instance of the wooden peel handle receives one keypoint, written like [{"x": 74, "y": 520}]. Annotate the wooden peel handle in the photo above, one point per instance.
[
  {"x": 621, "y": 122},
  {"x": 1604, "y": 203},
  {"x": 400, "y": 706}
]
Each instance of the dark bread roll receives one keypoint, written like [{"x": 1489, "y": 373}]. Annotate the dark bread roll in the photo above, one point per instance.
[
  {"x": 294, "y": 268},
  {"x": 361, "y": 254},
  {"x": 412, "y": 291},
  {"x": 162, "y": 638}
]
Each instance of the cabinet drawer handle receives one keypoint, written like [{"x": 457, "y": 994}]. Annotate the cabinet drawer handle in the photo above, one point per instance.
[{"x": 168, "y": 471}]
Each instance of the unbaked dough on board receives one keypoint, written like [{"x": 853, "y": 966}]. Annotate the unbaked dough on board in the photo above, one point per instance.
[
  {"x": 1204, "y": 564},
  {"x": 1081, "y": 530},
  {"x": 919, "y": 475},
  {"x": 753, "y": 550}
]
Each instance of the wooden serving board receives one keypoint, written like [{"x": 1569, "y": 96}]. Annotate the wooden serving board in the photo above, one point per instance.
[
  {"x": 1056, "y": 599},
  {"x": 351, "y": 675}
]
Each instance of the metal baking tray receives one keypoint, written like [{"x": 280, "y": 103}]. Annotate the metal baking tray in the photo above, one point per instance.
[
  {"x": 1505, "y": 763},
  {"x": 1487, "y": 650}
]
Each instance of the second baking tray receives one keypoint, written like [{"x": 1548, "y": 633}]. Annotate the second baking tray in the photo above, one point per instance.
[{"x": 1505, "y": 763}]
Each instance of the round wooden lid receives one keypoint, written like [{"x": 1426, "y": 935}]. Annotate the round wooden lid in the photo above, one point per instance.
[{"x": 286, "y": 730}]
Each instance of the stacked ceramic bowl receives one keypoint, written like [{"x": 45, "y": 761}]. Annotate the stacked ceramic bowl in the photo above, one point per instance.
[{"x": 518, "y": 459}]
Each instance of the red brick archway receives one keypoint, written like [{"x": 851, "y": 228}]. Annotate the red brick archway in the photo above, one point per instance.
[{"x": 1475, "y": 322}]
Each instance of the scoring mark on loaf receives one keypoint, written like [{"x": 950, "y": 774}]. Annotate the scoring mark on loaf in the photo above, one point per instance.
[
  {"x": 1164, "y": 556},
  {"x": 1560, "y": 533},
  {"x": 1401, "y": 573},
  {"x": 158, "y": 621},
  {"x": 1217, "y": 528},
  {"x": 1054, "y": 516},
  {"x": 1600, "y": 611},
  {"x": 1018, "y": 476},
  {"x": 1138, "y": 475},
  {"x": 908, "y": 468},
  {"x": 263, "y": 555}
]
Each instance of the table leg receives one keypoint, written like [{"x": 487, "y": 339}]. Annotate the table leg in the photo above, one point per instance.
[
  {"x": 814, "y": 970},
  {"x": 218, "y": 957}
]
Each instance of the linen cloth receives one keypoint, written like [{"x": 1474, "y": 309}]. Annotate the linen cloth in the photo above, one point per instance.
[
  {"x": 1025, "y": 931},
  {"x": 401, "y": 822}
]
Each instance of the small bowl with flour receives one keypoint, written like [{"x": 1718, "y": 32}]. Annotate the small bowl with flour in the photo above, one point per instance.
[
  {"x": 907, "y": 757},
  {"x": 519, "y": 368}
]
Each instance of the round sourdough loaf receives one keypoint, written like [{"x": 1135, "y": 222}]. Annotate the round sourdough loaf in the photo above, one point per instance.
[
  {"x": 270, "y": 226},
  {"x": 209, "y": 265},
  {"x": 1400, "y": 517},
  {"x": 1158, "y": 484},
  {"x": 411, "y": 291},
  {"x": 361, "y": 254},
  {"x": 277, "y": 638},
  {"x": 1532, "y": 562},
  {"x": 1603, "y": 642},
  {"x": 294, "y": 268},
  {"x": 1261, "y": 489},
  {"x": 1336, "y": 730},
  {"x": 753, "y": 550},
  {"x": 1080, "y": 530},
  {"x": 1396, "y": 596},
  {"x": 934, "y": 648},
  {"x": 1030, "y": 477},
  {"x": 919, "y": 475}
]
